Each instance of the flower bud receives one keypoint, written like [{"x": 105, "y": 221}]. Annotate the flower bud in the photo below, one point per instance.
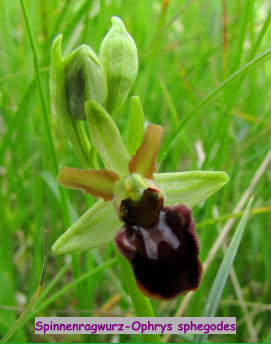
[
  {"x": 85, "y": 80},
  {"x": 74, "y": 130},
  {"x": 118, "y": 54}
]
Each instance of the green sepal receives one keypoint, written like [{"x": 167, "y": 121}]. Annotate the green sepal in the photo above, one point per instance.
[
  {"x": 136, "y": 126},
  {"x": 190, "y": 188},
  {"x": 74, "y": 129},
  {"x": 97, "y": 227},
  {"x": 106, "y": 138}
]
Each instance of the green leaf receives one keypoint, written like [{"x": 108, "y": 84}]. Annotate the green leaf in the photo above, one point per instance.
[
  {"x": 223, "y": 273},
  {"x": 95, "y": 228},
  {"x": 8, "y": 317},
  {"x": 190, "y": 188},
  {"x": 106, "y": 138},
  {"x": 136, "y": 126},
  {"x": 97, "y": 183},
  {"x": 73, "y": 129}
]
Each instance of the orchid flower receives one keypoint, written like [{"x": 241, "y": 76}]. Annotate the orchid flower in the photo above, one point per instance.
[{"x": 145, "y": 213}]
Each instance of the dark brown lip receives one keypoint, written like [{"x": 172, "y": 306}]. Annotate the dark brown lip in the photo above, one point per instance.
[{"x": 164, "y": 257}]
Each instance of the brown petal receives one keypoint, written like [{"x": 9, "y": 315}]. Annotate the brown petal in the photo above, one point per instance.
[
  {"x": 144, "y": 212},
  {"x": 144, "y": 161},
  {"x": 97, "y": 183},
  {"x": 164, "y": 258}
]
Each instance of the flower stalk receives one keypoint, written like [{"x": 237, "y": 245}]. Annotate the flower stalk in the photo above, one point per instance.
[{"x": 142, "y": 305}]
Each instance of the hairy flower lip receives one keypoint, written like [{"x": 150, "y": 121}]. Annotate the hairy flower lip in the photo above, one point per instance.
[{"x": 164, "y": 258}]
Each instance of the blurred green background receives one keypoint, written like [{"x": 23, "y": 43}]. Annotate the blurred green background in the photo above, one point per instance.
[{"x": 186, "y": 51}]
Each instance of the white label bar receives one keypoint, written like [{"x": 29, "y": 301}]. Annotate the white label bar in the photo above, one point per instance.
[{"x": 135, "y": 325}]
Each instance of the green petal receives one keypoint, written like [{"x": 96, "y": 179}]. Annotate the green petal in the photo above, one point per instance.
[
  {"x": 106, "y": 138},
  {"x": 136, "y": 126},
  {"x": 144, "y": 161},
  {"x": 95, "y": 228},
  {"x": 190, "y": 188},
  {"x": 73, "y": 129},
  {"x": 97, "y": 183}
]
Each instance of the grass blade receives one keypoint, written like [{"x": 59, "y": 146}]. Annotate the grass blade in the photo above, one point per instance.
[
  {"x": 223, "y": 273},
  {"x": 33, "y": 300},
  {"x": 66, "y": 216},
  {"x": 50, "y": 299},
  {"x": 171, "y": 140},
  {"x": 166, "y": 26}
]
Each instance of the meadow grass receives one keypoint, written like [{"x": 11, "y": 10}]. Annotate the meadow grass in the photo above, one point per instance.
[{"x": 204, "y": 76}]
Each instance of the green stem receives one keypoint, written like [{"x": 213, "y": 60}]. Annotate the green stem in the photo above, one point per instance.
[
  {"x": 225, "y": 217},
  {"x": 141, "y": 304},
  {"x": 64, "y": 203},
  {"x": 52, "y": 150}
]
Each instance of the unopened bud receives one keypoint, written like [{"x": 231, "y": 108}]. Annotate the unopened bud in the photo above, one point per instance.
[
  {"x": 85, "y": 80},
  {"x": 118, "y": 54}
]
